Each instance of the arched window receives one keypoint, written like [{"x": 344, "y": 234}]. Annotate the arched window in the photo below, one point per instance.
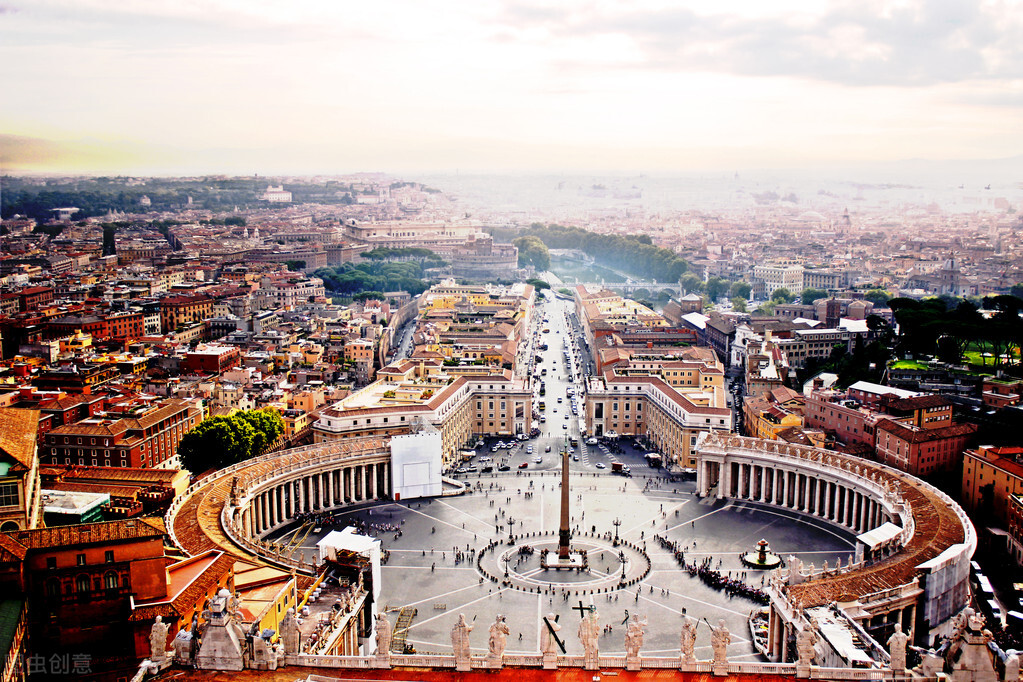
[
  {"x": 82, "y": 584},
  {"x": 110, "y": 580},
  {"x": 8, "y": 526},
  {"x": 53, "y": 587}
]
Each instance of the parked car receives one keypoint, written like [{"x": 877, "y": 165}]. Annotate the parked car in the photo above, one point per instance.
[
  {"x": 524, "y": 465},
  {"x": 601, "y": 465}
]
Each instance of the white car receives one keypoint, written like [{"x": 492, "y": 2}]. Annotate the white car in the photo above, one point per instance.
[
  {"x": 591, "y": 441},
  {"x": 601, "y": 465}
]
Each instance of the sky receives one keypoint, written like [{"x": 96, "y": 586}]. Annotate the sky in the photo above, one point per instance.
[{"x": 334, "y": 86}]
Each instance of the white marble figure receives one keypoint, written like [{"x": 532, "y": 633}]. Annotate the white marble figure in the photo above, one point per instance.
[
  {"x": 720, "y": 638},
  {"x": 805, "y": 640},
  {"x": 460, "y": 643},
  {"x": 498, "y": 638},
  {"x": 383, "y": 630},
  {"x": 688, "y": 639},
  {"x": 634, "y": 636},
  {"x": 897, "y": 648},
  {"x": 158, "y": 641},
  {"x": 183, "y": 648},
  {"x": 548, "y": 646},
  {"x": 589, "y": 632},
  {"x": 289, "y": 632}
]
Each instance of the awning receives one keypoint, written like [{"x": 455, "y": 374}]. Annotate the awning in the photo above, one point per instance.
[{"x": 884, "y": 533}]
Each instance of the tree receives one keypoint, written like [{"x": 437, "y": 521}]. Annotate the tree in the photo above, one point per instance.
[
  {"x": 215, "y": 443},
  {"x": 538, "y": 284},
  {"x": 739, "y": 304},
  {"x": 1016, "y": 290},
  {"x": 218, "y": 442},
  {"x": 268, "y": 426},
  {"x": 532, "y": 251},
  {"x": 740, "y": 289},
  {"x": 879, "y": 297},
  {"x": 811, "y": 295},
  {"x": 716, "y": 288},
  {"x": 690, "y": 283},
  {"x": 782, "y": 295}
]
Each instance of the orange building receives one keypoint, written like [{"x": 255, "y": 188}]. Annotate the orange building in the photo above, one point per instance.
[{"x": 999, "y": 468}]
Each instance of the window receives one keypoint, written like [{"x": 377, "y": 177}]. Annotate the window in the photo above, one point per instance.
[
  {"x": 52, "y": 587},
  {"x": 9, "y": 496},
  {"x": 51, "y": 562},
  {"x": 110, "y": 580},
  {"x": 108, "y": 556},
  {"x": 82, "y": 584},
  {"x": 80, "y": 559}
]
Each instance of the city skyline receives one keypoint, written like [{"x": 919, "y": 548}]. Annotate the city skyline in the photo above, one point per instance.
[{"x": 233, "y": 87}]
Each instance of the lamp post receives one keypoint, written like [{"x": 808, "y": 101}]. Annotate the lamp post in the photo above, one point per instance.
[{"x": 617, "y": 522}]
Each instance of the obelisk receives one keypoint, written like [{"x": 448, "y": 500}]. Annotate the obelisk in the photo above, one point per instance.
[{"x": 564, "y": 534}]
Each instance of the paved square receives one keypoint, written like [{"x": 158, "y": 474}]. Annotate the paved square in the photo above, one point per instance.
[{"x": 432, "y": 564}]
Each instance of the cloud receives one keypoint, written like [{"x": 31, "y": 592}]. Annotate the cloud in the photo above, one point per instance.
[{"x": 856, "y": 43}]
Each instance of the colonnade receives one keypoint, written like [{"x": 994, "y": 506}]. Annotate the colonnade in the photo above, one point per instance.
[
  {"x": 316, "y": 492},
  {"x": 802, "y": 490}
]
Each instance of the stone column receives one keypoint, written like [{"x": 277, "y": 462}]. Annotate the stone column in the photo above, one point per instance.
[
  {"x": 373, "y": 481},
  {"x": 763, "y": 483},
  {"x": 774, "y": 486},
  {"x": 847, "y": 516},
  {"x": 817, "y": 497},
  {"x": 724, "y": 479},
  {"x": 741, "y": 490},
  {"x": 828, "y": 486},
  {"x": 331, "y": 502}
]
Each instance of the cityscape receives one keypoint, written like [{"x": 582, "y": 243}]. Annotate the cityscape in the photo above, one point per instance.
[{"x": 511, "y": 341}]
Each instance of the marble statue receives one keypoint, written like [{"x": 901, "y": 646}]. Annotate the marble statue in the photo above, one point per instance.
[
  {"x": 498, "y": 638},
  {"x": 589, "y": 632},
  {"x": 289, "y": 632},
  {"x": 158, "y": 641},
  {"x": 805, "y": 639},
  {"x": 897, "y": 648},
  {"x": 183, "y": 648},
  {"x": 720, "y": 638},
  {"x": 460, "y": 644},
  {"x": 634, "y": 636},
  {"x": 548, "y": 645},
  {"x": 688, "y": 638},
  {"x": 383, "y": 630}
]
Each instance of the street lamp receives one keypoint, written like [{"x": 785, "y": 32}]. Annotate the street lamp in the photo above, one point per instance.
[{"x": 617, "y": 522}]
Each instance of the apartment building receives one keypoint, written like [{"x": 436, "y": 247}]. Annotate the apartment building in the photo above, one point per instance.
[
  {"x": 147, "y": 439},
  {"x": 460, "y": 402},
  {"x": 670, "y": 403},
  {"x": 992, "y": 476}
]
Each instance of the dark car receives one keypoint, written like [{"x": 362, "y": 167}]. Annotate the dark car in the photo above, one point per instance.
[{"x": 504, "y": 467}]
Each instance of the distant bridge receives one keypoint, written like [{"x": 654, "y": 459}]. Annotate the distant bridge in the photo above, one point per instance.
[{"x": 631, "y": 286}]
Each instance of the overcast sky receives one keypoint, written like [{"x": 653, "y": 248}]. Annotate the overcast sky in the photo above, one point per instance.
[{"x": 271, "y": 87}]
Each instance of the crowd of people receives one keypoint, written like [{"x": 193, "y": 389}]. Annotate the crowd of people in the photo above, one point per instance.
[{"x": 710, "y": 576}]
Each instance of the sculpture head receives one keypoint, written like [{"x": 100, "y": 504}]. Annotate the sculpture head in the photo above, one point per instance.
[
  {"x": 721, "y": 622},
  {"x": 159, "y": 619}
]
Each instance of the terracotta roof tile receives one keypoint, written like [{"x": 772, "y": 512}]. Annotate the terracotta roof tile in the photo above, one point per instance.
[{"x": 18, "y": 434}]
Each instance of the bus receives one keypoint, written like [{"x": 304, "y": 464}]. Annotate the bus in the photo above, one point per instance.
[{"x": 543, "y": 406}]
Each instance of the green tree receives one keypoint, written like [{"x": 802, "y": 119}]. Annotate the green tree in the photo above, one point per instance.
[
  {"x": 691, "y": 283},
  {"x": 879, "y": 297},
  {"x": 716, "y": 288},
  {"x": 216, "y": 443},
  {"x": 267, "y": 424},
  {"x": 1017, "y": 290},
  {"x": 782, "y": 295},
  {"x": 739, "y": 304},
  {"x": 532, "y": 251},
  {"x": 740, "y": 289},
  {"x": 811, "y": 295},
  {"x": 538, "y": 284}
]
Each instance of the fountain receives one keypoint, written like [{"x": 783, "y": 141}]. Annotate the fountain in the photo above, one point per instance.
[{"x": 763, "y": 558}]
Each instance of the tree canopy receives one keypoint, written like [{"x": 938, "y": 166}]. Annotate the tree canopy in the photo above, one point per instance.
[
  {"x": 810, "y": 295},
  {"x": 782, "y": 295},
  {"x": 532, "y": 251},
  {"x": 349, "y": 279},
  {"x": 218, "y": 442},
  {"x": 631, "y": 253}
]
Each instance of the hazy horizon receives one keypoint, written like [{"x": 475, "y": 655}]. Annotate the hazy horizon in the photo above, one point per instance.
[{"x": 500, "y": 86}]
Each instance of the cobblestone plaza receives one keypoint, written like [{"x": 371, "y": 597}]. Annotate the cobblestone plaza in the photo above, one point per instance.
[{"x": 435, "y": 566}]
